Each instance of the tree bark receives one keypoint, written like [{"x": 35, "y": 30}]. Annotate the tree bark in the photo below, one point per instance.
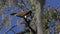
[
  {"x": 38, "y": 16},
  {"x": 38, "y": 19}
]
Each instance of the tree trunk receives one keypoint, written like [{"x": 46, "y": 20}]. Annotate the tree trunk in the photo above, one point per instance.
[
  {"x": 38, "y": 19},
  {"x": 38, "y": 16}
]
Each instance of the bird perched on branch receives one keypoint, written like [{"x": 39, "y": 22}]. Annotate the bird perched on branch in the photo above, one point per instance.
[{"x": 21, "y": 13}]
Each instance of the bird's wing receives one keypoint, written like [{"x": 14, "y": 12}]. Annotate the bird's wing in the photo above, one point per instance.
[{"x": 22, "y": 13}]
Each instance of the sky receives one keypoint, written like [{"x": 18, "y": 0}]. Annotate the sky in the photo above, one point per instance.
[{"x": 52, "y": 3}]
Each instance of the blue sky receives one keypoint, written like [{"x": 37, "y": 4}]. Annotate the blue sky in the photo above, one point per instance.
[{"x": 52, "y": 3}]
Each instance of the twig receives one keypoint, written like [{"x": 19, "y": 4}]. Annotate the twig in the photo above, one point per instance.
[{"x": 9, "y": 29}]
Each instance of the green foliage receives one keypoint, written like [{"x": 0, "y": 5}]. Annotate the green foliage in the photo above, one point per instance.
[
  {"x": 46, "y": 15},
  {"x": 49, "y": 16},
  {"x": 46, "y": 31},
  {"x": 33, "y": 7},
  {"x": 58, "y": 17},
  {"x": 4, "y": 2},
  {"x": 45, "y": 24}
]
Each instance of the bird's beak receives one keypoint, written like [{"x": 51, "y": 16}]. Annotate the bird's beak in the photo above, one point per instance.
[{"x": 14, "y": 15}]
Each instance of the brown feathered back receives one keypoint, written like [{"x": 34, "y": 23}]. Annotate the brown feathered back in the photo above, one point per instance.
[{"x": 21, "y": 13}]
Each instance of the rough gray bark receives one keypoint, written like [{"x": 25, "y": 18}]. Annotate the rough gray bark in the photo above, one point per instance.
[
  {"x": 38, "y": 16},
  {"x": 38, "y": 20}
]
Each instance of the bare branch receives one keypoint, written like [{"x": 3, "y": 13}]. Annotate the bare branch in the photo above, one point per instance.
[{"x": 10, "y": 29}]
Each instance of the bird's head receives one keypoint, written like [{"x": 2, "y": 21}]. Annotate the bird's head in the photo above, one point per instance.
[{"x": 13, "y": 13}]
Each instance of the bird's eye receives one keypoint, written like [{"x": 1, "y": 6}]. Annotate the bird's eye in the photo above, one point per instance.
[{"x": 25, "y": 16}]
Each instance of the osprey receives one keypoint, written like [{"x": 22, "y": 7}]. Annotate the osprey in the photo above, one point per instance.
[{"x": 21, "y": 13}]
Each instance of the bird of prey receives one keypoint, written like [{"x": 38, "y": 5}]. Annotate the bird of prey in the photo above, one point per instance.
[{"x": 21, "y": 13}]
